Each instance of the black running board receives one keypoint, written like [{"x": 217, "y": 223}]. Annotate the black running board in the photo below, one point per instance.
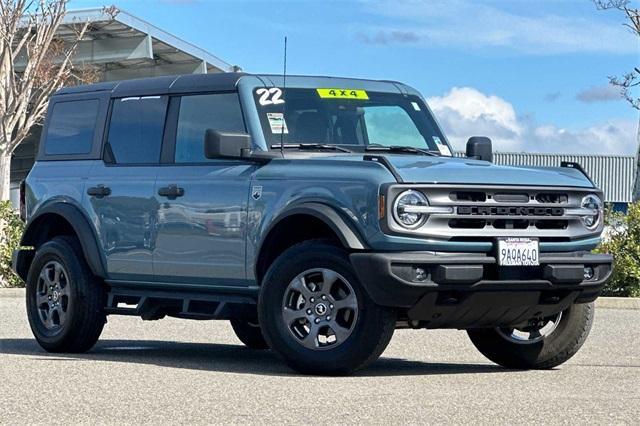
[{"x": 156, "y": 303}]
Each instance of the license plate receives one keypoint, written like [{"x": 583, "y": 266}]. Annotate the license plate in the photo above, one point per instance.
[{"x": 518, "y": 252}]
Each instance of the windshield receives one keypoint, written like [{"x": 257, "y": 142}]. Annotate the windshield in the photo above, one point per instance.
[{"x": 347, "y": 117}]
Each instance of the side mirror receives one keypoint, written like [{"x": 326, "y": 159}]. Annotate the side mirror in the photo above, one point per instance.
[
  {"x": 226, "y": 144},
  {"x": 479, "y": 147}
]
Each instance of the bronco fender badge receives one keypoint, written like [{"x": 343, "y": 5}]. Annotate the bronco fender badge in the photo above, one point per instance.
[{"x": 256, "y": 192}]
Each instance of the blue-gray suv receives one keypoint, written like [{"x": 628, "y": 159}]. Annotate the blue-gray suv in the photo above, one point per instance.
[{"x": 317, "y": 214}]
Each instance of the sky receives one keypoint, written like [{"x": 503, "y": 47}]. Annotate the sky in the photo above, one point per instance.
[{"x": 530, "y": 74}]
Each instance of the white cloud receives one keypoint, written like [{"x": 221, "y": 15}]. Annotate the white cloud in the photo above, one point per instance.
[
  {"x": 388, "y": 37},
  {"x": 472, "y": 25},
  {"x": 472, "y": 105},
  {"x": 603, "y": 93},
  {"x": 465, "y": 112}
]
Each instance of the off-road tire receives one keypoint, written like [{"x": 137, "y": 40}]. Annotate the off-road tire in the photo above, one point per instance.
[
  {"x": 85, "y": 316},
  {"x": 555, "y": 349},
  {"x": 249, "y": 333},
  {"x": 372, "y": 329}
]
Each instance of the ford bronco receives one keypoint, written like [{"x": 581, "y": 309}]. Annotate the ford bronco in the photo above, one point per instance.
[{"x": 317, "y": 214}]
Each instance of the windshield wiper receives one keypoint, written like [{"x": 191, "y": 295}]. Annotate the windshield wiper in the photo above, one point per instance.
[
  {"x": 309, "y": 146},
  {"x": 399, "y": 148}
]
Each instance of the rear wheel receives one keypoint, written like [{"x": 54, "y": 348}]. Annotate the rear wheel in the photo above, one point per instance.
[
  {"x": 65, "y": 302},
  {"x": 249, "y": 333},
  {"x": 317, "y": 316},
  {"x": 544, "y": 344}
]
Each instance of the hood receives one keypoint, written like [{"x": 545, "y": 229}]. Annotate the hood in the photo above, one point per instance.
[{"x": 414, "y": 169}]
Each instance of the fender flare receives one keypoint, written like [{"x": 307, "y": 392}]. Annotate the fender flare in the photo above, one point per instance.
[
  {"x": 84, "y": 231},
  {"x": 347, "y": 233}
]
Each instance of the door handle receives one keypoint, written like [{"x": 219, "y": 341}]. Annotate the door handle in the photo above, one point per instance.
[
  {"x": 171, "y": 192},
  {"x": 99, "y": 191}
]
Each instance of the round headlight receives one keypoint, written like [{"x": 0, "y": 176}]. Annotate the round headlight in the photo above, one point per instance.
[
  {"x": 406, "y": 218},
  {"x": 593, "y": 203}
]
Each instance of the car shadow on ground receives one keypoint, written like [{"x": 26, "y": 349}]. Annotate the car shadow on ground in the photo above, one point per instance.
[{"x": 223, "y": 358}]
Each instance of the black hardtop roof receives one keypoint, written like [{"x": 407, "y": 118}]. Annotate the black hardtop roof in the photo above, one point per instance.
[
  {"x": 164, "y": 84},
  {"x": 168, "y": 84}
]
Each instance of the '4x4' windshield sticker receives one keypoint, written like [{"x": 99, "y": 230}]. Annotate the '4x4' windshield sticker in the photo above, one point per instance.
[{"x": 343, "y": 94}]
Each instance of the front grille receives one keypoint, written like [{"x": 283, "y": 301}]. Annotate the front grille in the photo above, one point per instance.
[
  {"x": 469, "y": 196},
  {"x": 510, "y": 224},
  {"x": 511, "y": 197},
  {"x": 552, "y": 198},
  {"x": 508, "y": 210},
  {"x": 479, "y": 213},
  {"x": 488, "y": 210},
  {"x": 551, "y": 224},
  {"x": 467, "y": 223}
]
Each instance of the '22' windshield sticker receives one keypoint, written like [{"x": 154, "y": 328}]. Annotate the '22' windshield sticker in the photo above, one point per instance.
[{"x": 272, "y": 96}]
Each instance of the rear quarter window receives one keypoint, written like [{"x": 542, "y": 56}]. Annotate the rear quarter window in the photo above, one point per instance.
[
  {"x": 136, "y": 129},
  {"x": 71, "y": 127}
]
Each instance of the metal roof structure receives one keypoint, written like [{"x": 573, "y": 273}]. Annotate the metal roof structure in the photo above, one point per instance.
[
  {"x": 614, "y": 174},
  {"x": 124, "y": 46}
]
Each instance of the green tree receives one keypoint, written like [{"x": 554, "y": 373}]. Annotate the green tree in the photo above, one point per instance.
[
  {"x": 623, "y": 242},
  {"x": 11, "y": 228}
]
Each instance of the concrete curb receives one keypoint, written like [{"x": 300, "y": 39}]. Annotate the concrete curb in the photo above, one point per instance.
[
  {"x": 6, "y": 293},
  {"x": 632, "y": 303}
]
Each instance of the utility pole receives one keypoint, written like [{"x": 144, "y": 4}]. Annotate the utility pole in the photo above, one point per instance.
[{"x": 636, "y": 182}]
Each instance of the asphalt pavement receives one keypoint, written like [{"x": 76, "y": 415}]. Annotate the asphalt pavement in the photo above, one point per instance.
[{"x": 196, "y": 372}]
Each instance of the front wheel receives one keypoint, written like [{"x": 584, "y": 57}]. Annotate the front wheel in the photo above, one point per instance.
[
  {"x": 317, "y": 316},
  {"x": 544, "y": 344}
]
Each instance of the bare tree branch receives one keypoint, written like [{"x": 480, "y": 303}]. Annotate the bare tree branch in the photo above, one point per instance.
[
  {"x": 34, "y": 62},
  {"x": 630, "y": 81}
]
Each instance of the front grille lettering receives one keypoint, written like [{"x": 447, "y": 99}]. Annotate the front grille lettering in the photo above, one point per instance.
[{"x": 509, "y": 211}]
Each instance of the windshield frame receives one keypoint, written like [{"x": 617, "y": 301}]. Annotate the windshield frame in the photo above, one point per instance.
[{"x": 248, "y": 84}]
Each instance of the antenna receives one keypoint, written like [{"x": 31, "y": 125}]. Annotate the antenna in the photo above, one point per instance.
[{"x": 284, "y": 93}]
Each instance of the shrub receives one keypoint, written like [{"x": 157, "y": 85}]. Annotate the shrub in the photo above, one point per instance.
[
  {"x": 11, "y": 228},
  {"x": 622, "y": 240}
]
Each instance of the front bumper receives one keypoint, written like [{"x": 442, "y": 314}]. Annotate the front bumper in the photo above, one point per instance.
[{"x": 471, "y": 290}]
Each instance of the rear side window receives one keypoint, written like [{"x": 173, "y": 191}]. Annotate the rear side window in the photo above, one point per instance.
[
  {"x": 71, "y": 127},
  {"x": 201, "y": 112},
  {"x": 136, "y": 130}
]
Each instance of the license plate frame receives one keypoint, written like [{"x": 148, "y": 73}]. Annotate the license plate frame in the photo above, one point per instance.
[{"x": 518, "y": 251}]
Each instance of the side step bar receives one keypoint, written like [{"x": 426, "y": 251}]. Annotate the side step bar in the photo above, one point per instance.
[{"x": 156, "y": 304}]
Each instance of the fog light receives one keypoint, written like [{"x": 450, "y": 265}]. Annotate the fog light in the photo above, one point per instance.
[
  {"x": 588, "y": 273},
  {"x": 421, "y": 274}
]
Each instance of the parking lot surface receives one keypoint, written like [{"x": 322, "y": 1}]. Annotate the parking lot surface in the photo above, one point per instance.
[{"x": 178, "y": 371}]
